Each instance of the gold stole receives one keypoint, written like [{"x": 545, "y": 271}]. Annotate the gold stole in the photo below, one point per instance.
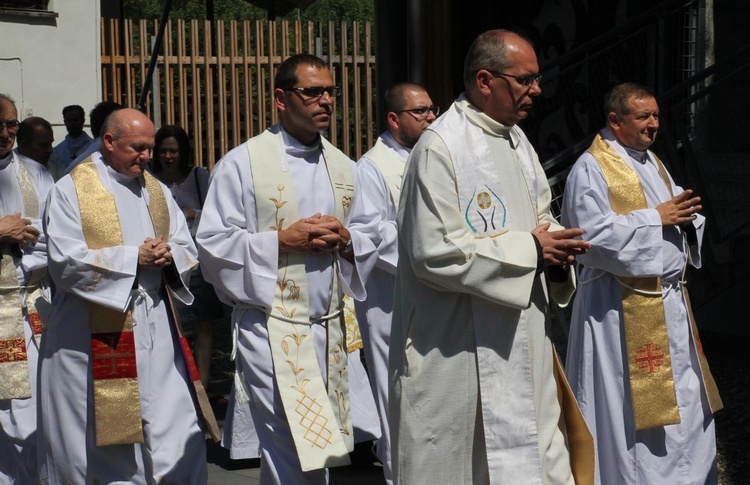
[
  {"x": 14, "y": 369},
  {"x": 647, "y": 342},
  {"x": 317, "y": 412},
  {"x": 116, "y": 397}
]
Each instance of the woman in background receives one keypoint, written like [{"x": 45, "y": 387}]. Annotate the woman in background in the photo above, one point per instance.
[{"x": 172, "y": 164}]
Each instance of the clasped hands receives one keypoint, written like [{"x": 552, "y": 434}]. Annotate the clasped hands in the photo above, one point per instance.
[
  {"x": 560, "y": 247},
  {"x": 314, "y": 234},
  {"x": 15, "y": 229},
  {"x": 154, "y": 253}
]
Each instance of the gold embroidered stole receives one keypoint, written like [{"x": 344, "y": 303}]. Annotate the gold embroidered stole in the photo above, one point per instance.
[
  {"x": 14, "y": 369},
  {"x": 116, "y": 397},
  {"x": 646, "y": 339},
  {"x": 318, "y": 412},
  {"x": 390, "y": 166}
]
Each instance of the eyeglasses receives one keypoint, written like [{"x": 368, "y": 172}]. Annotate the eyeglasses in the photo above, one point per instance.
[
  {"x": 317, "y": 91},
  {"x": 421, "y": 112},
  {"x": 525, "y": 81},
  {"x": 11, "y": 125}
]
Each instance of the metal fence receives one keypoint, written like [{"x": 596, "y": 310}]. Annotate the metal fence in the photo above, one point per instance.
[{"x": 215, "y": 79}]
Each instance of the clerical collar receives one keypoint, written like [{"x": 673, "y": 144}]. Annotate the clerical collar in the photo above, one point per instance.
[
  {"x": 118, "y": 177},
  {"x": 391, "y": 142},
  {"x": 4, "y": 162},
  {"x": 476, "y": 117},
  {"x": 296, "y": 148},
  {"x": 640, "y": 156}
]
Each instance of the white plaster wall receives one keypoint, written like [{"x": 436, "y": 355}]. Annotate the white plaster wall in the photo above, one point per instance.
[{"x": 46, "y": 64}]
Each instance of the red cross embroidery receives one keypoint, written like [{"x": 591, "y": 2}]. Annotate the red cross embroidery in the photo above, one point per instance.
[
  {"x": 649, "y": 358},
  {"x": 113, "y": 355}
]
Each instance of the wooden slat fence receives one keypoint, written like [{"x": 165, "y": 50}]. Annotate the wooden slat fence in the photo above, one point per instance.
[{"x": 216, "y": 79}]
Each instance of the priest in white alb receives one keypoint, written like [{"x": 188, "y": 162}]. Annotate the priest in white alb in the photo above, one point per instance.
[
  {"x": 635, "y": 360},
  {"x": 409, "y": 112},
  {"x": 477, "y": 394},
  {"x": 24, "y": 184},
  {"x": 282, "y": 236},
  {"x": 120, "y": 394}
]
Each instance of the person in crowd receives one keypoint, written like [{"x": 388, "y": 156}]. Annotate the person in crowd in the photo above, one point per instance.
[
  {"x": 118, "y": 384},
  {"x": 635, "y": 361},
  {"x": 34, "y": 138},
  {"x": 284, "y": 232},
  {"x": 97, "y": 116},
  {"x": 24, "y": 185},
  {"x": 474, "y": 376},
  {"x": 75, "y": 142},
  {"x": 409, "y": 112},
  {"x": 172, "y": 164}
]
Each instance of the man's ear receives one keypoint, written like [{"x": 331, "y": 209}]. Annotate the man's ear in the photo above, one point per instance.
[
  {"x": 107, "y": 141},
  {"x": 482, "y": 81},
  {"x": 279, "y": 99},
  {"x": 392, "y": 119},
  {"x": 613, "y": 120}
]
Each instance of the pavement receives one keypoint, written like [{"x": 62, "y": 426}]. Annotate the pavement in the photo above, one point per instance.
[{"x": 224, "y": 471}]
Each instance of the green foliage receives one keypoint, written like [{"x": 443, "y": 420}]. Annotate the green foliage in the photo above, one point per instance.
[{"x": 319, "y": 11}]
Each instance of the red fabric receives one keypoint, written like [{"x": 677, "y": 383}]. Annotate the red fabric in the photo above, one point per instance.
[{"x": 113, "y": 355}]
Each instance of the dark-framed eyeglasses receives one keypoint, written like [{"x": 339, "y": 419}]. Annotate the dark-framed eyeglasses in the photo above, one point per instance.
[
  {"x": 525, "y": 81},
  {"x": 317, "y": 91},
  {"x": 11, "y": 125},
  {"x": 421, "y": 112}
]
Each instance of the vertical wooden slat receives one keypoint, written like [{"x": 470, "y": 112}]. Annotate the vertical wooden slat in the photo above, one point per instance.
[
  {"x": 260, "y": 77},
  {"x": 247, "y": 69},
  {"x": 310, "y": 38},
  {"x": 345, "y": 135},
  {"x": 131, "y": 73},
  {"x": 234, "y": 83},
  {"x": 168, "y": 94},
  {"x": 357, "y": 85},
  {"x": 209, "y": 108},
  {"x": 113, "y": 62},
  {"x": 284, "y": 39},
  {"x": 197, "y": 124},
  {"x": 145, "y": 47},
  {"x": 368, "y": 87},
  {"x": 221, "y": 86},
  {"x": 272, "y": 60},
  {"x": 182, "y": 91},
  {"x": 332, "y": 131},
  {"x": 105, "y": 58}
]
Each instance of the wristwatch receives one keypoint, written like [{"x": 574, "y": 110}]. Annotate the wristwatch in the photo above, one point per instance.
[{"x": 348, "y": 251}]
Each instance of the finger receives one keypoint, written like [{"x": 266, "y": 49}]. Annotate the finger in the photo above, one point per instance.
[
  {"x": 569, "y": 233},
  {"x": 542, "y": 228},
  {"x": 683, "y": 196}
]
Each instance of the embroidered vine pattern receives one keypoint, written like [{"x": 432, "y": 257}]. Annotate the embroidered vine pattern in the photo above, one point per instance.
[{"x": 284, "y": 282}]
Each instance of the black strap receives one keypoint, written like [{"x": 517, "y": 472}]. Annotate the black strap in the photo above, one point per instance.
[{"x": 198, "y": 186}]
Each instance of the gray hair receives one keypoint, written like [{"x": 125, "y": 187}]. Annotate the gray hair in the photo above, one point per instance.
[{"x": 488, "y": 51}]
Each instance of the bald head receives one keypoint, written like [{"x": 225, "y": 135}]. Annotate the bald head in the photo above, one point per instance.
[
  {"x": 410, "y": 112},
  {"x": 127, "y": 139}
]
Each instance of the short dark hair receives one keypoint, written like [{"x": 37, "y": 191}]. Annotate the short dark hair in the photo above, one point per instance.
[
  {"x": 28, "y": 126},
  {"x": 74, "y": 107},
  {"x": 286, "y": 74},
  {"x": 489, "y": 51},
  {"x": 183, "y": 143},
  {"x": 99, "y": 114},
  {"x": 616, "y": 100},
  {"x": 394, "y": 96}
]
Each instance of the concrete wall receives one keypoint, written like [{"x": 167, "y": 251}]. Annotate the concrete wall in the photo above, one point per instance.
[{"x": 49, "y": 62}]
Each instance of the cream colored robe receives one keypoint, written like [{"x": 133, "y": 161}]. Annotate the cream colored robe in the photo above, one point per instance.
[{"x": 471, "y": 313}]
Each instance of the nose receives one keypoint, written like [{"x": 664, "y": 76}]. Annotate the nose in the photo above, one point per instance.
[
  {"x": 431, "y": 116},
  {"x": 535, "y": 89}
]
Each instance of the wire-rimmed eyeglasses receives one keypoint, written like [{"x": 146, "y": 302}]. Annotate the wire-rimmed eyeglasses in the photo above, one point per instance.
[
  {"x": 525, "y": 81},
  {"x": 11, "y": 125},
  {"x": 421, "y": 112}
]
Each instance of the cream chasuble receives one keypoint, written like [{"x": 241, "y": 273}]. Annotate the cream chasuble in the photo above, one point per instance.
[
  {"x": 481, "y": 189},
  {"x": 318, "y": 413},
  {"x": 14, "y": 370},
  {"x": 649, "y": 363}
]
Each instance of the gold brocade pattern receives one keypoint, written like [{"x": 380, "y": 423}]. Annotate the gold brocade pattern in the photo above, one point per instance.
[
  {"x": 117, "y": 405},
  {"x": 14, "y": 370},
  {"x": 157, "y": 206},
  {"x": 646, "y": 339}
]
